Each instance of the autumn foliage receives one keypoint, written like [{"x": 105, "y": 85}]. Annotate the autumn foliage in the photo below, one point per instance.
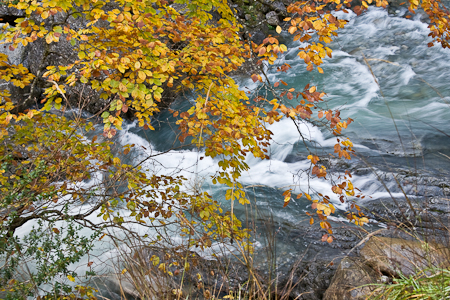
[{"x": 128, "y": 53}]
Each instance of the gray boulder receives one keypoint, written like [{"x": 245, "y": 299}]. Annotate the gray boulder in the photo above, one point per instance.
[
  {"x": 398, "y": 256},
  {"x": 352, "y": 280},
  {"x": 272, "y": 18}
]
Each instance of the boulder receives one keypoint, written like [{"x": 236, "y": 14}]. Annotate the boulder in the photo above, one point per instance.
[
  {"x": 395, "y": 256},
  {"x": 356, "y": 277},
  {"x": 352, "y": 280},
  {"x": 279, "y": 7},
  {"x": 307, "y": 280},
  {"x": 272, "y": 18}
]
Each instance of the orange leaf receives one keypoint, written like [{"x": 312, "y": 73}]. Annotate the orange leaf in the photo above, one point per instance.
[{"x": 262, "y": 50}]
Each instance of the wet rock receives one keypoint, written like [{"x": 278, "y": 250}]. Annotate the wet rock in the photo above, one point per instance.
[
  {"x": 279, "y": 7},
  {"x": 394, "y": 256},
  {"x": 272, "y": 18},
  {"x": 307, "y": 280},
  {"x": 351, "y": 280},
  {"x": 257, "y": 36}
]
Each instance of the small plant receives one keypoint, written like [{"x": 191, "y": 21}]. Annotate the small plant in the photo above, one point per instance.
[{"x": 432, "y": 283}]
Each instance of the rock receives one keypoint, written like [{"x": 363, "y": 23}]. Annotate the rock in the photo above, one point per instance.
[
  {"x": 272, "y": 18},
  {"x": 307, "y": 280},
  {"x": 394, "y": 256},
  {"x": 351, "y": 280},
  {"x": 258, "y": 36},
  {"x": 15, "y": 57},
  {"x": 279, "y": 7},
  {"x": 145, "y": 278}
]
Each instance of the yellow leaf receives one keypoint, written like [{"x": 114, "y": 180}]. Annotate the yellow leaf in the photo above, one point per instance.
[
  {"x": 363, "y": 220},
  {"x": 141, "y": 75},
  {"x": 350, "y": 185},
  {"x": 121, "y": 68},
  {"x": 312, "y": 89},
  {"x": 333, "y": 209},
  {"x": 320, "y": 70},
  {"x": 162, "y": 267},
  {"x": 278, "y": 29},
  {"x": 71, "y": 278},
  {"x": 327, "y": 39},
  {"x": 320, "y": 206}
]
